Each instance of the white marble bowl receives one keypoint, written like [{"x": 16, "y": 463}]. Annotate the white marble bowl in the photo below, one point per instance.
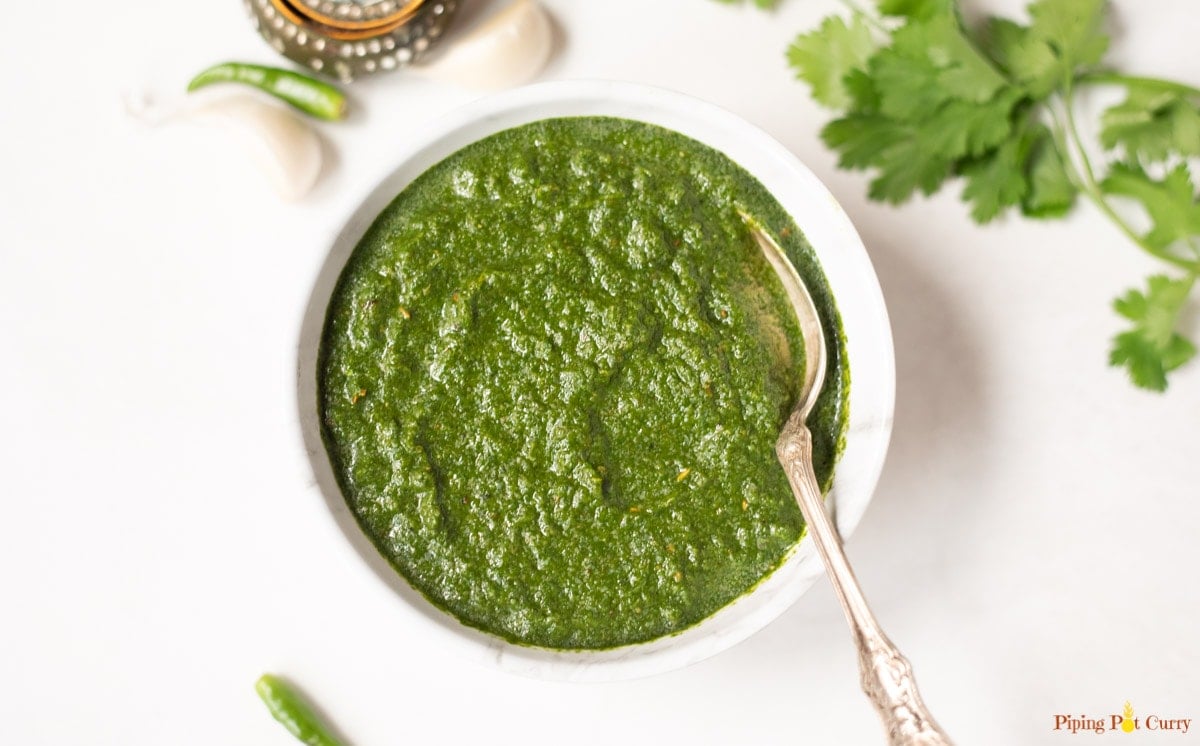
[{"x": 855, "y": 288}]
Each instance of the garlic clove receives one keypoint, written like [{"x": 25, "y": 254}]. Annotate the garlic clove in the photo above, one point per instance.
[
  {"x": 282, "y": 145},
  {"x": 509, "y": 49}
]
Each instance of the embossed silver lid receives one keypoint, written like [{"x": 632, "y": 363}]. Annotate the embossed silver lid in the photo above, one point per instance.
[{"x": 348, "y": 38}]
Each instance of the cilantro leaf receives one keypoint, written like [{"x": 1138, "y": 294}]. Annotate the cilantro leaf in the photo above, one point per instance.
[
  {"x": 908, "y": 87},
  {"x": 1152, "y": 348},
  {"x": 1171, "y": 203},
  {"x": 863, "y": 140},
  {"x": 1065, "y": 36},
  {"x": 1026, "y": 58},
  {"x": 997, "y": 181},
  {"x": 1073, "y": 30},
  {"x": 960, "y": 129},
  {"x": 920, "y": 9},
  {"x": 1026, "y": 170},
  {"x": 906, "y": 171},
  {"x": 825, "y": 56},
  {"x": 1152, "y": 124},
  {"x": 912, "y": 156},
  {"x": 933, "y": 61},
  {"x": 894, "y": 148},
  {"x": 1051, "y": 192},
  {"x": 863, "y": 93}
]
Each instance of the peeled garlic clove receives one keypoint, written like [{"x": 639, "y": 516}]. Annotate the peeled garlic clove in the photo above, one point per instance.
[
  {"x": 509, "y": 49},
  {"x": 283, "y": 146}
]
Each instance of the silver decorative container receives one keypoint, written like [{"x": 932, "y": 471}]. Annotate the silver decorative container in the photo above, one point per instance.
[{"x": 348, "y": 38}]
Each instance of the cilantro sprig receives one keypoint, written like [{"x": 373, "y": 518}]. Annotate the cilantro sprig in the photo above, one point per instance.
[{"x": 925, "y": 98}]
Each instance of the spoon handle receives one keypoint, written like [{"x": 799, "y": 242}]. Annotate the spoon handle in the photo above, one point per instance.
[{"x": 887, "y": 676}]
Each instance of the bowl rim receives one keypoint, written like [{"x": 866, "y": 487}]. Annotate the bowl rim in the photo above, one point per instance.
[{"x": 843, "y": 259}]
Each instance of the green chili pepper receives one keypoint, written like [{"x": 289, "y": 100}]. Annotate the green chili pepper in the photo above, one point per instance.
[
  {"x": 310, "y": 96},
  {"x": 287, "y": 706}
]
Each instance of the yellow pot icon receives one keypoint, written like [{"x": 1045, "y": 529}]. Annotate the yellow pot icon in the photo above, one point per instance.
[{"x": 1127, "y": 723}]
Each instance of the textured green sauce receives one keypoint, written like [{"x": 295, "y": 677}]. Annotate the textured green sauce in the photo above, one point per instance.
[{"x": 552, "y": 376}]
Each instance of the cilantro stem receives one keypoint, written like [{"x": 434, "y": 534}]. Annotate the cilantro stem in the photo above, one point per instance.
[
  {"x": 872, "y": 20},
  {"x": 1105, "y": 77},
  {"x": 1072, "y": 149},
  {"x": 1073, "y": 131},
  {"x": 854, "y": 7}
]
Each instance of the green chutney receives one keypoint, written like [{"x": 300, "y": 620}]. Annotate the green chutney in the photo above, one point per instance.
[{"x": 551, "y": 379}]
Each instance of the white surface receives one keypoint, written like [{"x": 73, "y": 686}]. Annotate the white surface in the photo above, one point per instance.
[
  {"x": 1032, "y": 546},
  {"x": 846, "y": 267}
]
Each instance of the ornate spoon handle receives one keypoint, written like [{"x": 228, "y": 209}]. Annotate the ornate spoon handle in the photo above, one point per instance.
[{"x": 887, "y": 677}]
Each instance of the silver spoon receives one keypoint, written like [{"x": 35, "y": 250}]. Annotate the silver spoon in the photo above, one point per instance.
[{"x": 887, "y": 676}]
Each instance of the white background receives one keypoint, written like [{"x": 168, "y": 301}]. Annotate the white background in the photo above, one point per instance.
[{"x": 1032, "y": 546}]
